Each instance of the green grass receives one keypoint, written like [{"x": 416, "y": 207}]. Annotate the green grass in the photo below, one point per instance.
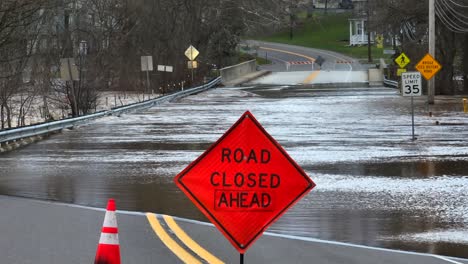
[
  {"x": 328, "y": 32},
  {"x": 262, "y": 61},
  {"x": 243, "y": 56}
]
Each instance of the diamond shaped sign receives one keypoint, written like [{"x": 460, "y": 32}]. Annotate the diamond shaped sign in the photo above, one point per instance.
[
  {"x": 428, "y": 66},
  {"x": 402, "y": 60},
  {"x": 191, "y": 53},
  {"x": 244, "y": 182}
]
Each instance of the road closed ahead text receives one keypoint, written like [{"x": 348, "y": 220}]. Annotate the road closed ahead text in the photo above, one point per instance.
[{"x": 246, "y": 189}]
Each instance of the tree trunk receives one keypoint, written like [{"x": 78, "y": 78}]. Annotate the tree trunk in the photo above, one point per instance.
[
  {"x": 46, "y": 107},
  {"x": 445, "y": 55},
  {"x": 73, "y": 106},
  {"x": 8, "y": 115},
  {"x": 2, "y": 116},
  {"x": 465, "y": 66},
  {"x": 67, "y": 43}
]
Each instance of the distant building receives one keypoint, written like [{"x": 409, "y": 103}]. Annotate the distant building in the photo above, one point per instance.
[
  {"x": 345, "y": 4},
  {"x": 358, "y": 24}
]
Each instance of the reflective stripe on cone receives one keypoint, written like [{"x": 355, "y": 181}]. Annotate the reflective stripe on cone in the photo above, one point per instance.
[{"x": 108, "y": 250}]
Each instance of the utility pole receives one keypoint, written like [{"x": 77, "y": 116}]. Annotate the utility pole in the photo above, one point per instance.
[
  {"x": 369, "y": 52},
  {"x": 290, "y": 25},
  {"x": 432, "y": 42},
  {"x": 291, "y": 20}
]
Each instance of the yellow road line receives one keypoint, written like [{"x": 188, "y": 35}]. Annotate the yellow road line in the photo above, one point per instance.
[
  {"x": 190, "y": 243},
  {"x": 311, "y": 77},
  {"x": 289, "y": 52},
  {"x": 183, "y": 255}
]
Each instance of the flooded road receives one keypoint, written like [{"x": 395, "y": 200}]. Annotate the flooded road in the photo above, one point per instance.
[{"x": 374, "y": 185}]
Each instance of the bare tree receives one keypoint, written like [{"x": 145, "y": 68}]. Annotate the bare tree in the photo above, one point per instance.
[
  {"x": 106, "y": 39},
  {"x": 16, "y": 42},
  {"x": 407, "y": 21}
]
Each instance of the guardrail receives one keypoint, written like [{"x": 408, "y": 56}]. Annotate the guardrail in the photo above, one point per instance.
[
  {"x": 163, "y": 99},
  {"x": 46, "y": 128},
  {"x": 390, "y": 83}
]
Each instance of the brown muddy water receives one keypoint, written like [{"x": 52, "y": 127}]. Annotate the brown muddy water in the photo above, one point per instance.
[{"x": 374, "y": 185}]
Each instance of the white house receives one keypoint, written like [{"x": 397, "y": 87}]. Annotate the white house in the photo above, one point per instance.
[{"x": 358, "y": 24}]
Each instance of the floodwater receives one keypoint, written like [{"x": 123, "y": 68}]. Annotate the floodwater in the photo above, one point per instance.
[{"x": 374, "y": 185}]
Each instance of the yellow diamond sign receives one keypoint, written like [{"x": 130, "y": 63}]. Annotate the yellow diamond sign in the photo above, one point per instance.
[
  {"x": 428, "y": 66},
  {"x": 191, "y": 53},
  {"x": 400, "y": 72},
  {"x": 402, "y": 60}
]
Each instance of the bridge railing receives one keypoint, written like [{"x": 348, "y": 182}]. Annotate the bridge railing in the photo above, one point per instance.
[
  {"x": 50, "y": 127},
  {"x": 390, "y": 83}
]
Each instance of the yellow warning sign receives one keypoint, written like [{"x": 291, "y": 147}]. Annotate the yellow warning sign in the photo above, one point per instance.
[
  {"x": 402, "y": 60},
  {"x": 428, "y": 66},
  {"x": 191, "y": 53},
  {"x": 400, "y": 72},
  {"x": 192, "y": 64},
  {"x": 379, "y": 39}
]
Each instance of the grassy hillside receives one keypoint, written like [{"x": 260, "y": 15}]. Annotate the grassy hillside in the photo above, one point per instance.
[{"x": 329, "y": 32}]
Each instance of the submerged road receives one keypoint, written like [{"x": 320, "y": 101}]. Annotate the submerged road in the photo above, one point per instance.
[
  {"x": 95, "y": 166},
  {"x": 44, "y": 233},
  {"x": 375, "y": 186}
]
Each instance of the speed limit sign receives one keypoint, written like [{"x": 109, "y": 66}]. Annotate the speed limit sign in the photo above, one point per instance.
[{"x": 411, "y": 84}]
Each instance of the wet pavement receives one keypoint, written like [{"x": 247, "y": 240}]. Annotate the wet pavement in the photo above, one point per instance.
[{"x": 374, "y": 185}]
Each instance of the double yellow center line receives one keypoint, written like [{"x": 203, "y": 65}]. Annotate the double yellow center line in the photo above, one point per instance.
[
  {"x": 311, "y": 76},
  {"x": 177, "y": 249}
]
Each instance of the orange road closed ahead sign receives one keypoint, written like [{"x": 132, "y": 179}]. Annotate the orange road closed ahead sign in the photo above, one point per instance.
[
  {"x": 244, "y": 182},
  {"x": 428, "y": 66}
]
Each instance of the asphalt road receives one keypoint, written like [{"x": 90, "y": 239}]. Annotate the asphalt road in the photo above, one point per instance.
[
  {"x": 44, "y": 232},
  {"x": 300, "y": 58},
  {"x": 293, "y": 65}
]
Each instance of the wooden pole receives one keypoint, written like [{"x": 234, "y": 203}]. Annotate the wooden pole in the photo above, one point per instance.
[{"x": 432, "y": 42}]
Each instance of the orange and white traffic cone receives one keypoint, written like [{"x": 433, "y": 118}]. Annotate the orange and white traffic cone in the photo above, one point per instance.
[{"x": 108, "y": 250}]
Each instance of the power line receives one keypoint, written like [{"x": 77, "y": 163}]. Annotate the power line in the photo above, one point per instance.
[
  {"x": 447, "y": 22},
  {"x": 457, "y": 4},
  {"x": 455, "y": 13},
  {"x": 447, "y": 19}
]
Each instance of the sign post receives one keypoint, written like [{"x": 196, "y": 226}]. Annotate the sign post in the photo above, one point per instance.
[
  {"x": 379, "y": 39},
  {"x": 411, "y": 86},
  {"x": 69, "y": 72},
  {"x": 192, "y": 53},
  {"x": 244, "y": 182},
  {"x": 147, "y": 66}
]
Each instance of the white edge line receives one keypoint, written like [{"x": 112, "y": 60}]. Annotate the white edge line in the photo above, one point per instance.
[
  {"x": 307, "y": 239},
  {"x": 98, "y": 209},
  {"x": 447, "y": 259}
]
